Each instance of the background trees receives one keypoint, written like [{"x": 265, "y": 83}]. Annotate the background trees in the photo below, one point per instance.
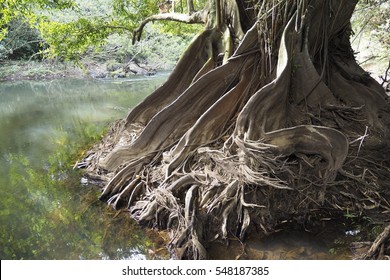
[
  {"x": 98, "y": 30},
  {"x": 371, "y": 40},
  {"x": 21, "y": 41},
  {"x": 106, "y": 26},
  {"x": 19, "y": 36}
]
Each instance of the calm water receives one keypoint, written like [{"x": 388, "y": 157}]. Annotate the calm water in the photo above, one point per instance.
[{"x": 45, "y": 212}]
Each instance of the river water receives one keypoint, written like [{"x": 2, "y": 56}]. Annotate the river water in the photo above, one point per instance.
[{"x": 45, "y": 210}]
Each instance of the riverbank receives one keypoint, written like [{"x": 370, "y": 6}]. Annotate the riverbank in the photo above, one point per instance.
[{"x": 17, "y": 70}]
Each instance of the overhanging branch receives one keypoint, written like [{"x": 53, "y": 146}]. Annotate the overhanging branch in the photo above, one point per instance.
[{"x": 198, "y": 17}]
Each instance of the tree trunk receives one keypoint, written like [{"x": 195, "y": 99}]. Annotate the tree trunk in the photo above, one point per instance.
[{"x": 266, "y": 118}]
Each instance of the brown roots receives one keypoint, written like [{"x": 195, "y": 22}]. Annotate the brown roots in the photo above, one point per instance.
[{"x": 286, "y": 129}]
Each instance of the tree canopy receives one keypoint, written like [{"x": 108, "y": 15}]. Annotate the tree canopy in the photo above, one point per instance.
[{"x": 68, "y": 29}]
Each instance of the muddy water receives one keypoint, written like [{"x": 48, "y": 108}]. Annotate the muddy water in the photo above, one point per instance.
[{"x": 45, "y": 210}]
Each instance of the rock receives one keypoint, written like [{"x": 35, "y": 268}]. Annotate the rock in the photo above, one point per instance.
[
  {"x": 138, "y": 69},
  {"x": 97, "y": 74}
]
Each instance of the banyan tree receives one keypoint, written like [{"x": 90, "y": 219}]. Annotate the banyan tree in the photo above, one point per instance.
[{"x": 266, "y": 118}]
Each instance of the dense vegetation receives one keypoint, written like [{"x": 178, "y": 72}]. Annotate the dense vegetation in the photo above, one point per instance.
[
  {"x": 371, "y": 40},
  {"x": 90, "y": 32}
]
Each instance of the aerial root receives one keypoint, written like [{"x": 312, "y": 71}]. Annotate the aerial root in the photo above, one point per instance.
[
  {"x": 116, "y": 201},
  {"x": 119, "y": 181}
]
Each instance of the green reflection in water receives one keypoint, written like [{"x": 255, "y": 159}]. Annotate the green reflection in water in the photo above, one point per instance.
[{"x": 45, "y": 212}]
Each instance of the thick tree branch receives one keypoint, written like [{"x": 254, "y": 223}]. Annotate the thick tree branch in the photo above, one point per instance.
[{"x": 197, "y": 17}]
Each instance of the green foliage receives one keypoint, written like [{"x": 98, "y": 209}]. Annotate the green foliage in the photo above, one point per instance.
[
  {"x": 182, "y": 30},
  {"x": 134, "y": 11},
  {"x": 372, "y": 17},
  {"x": 17, "y": 38},
  {"x": 71, "y": 30},
  {"x": 157, "y": 49},
  {"x": 371, "y": 24},
  {"x": 71, "y": 40},
  {"x": 21, "y": 41},
  {"x": 165, "y": 47},
  {"x": 11, "y": 9},
  {"x": 138, "y": 10},
  {"x": 94, "y": 30}
]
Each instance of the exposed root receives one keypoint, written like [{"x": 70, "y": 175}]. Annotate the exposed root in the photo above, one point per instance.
[{"x": 169, "y": 124}]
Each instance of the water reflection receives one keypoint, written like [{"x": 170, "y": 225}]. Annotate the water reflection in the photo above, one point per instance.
[{"x": 45, "y": 212}]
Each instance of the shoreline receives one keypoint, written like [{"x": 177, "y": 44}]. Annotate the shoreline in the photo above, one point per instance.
[{"x": 16, "y": 70}]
